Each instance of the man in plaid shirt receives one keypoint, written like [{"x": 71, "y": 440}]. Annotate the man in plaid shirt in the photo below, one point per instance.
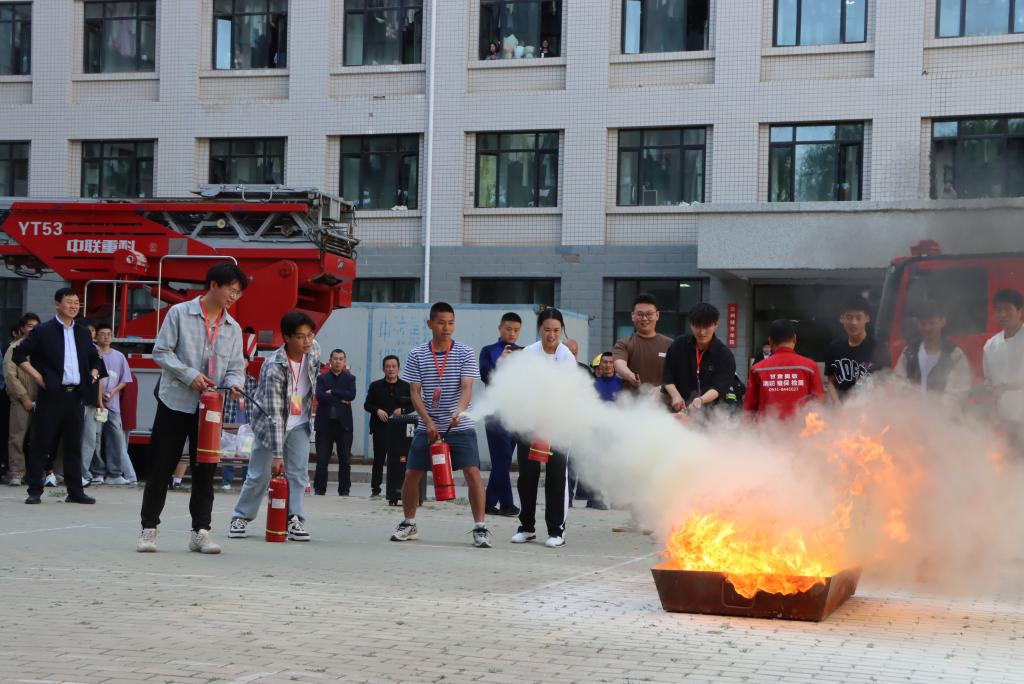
[{"x": 280, "y": 422}]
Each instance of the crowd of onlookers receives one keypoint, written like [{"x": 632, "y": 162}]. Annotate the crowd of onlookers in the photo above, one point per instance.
[
  {"x": 104, "y": 436},
  {"x": 297, "y": 394}
]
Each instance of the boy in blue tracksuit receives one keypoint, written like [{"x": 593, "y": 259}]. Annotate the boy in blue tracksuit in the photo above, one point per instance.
[{"x": 500, "y": 443}]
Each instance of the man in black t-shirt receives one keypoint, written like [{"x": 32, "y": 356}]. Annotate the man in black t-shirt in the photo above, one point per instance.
[
  {"x": 850, "y": 360},
  {"x": 698, "y": 368}
]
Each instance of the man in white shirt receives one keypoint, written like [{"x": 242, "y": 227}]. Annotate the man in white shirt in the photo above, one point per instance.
[{"x": 1004, "y": 362}]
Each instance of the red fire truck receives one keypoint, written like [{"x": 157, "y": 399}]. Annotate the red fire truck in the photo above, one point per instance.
[
  {"x": 130, "y": 260},
  {"x": 962, "y": 283}
]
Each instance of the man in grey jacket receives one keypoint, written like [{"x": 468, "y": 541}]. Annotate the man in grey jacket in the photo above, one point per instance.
[
  {"x": 280, "y": 423},
  {"x": 199, "y": 346}
]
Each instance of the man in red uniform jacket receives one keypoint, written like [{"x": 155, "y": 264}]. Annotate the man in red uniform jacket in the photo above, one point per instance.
[{"x": 785, "y": 381}]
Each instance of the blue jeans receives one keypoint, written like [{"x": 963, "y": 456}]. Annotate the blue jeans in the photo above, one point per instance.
[
  {"x": 113, "y": 444},
  {"x": 296, "y": 464},
  {"x": 499, "y": 483}
]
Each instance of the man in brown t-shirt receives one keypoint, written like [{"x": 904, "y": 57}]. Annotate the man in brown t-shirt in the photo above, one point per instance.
[{"x": 639, "y": 357}]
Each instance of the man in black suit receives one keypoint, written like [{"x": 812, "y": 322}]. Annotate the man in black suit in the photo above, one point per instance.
[
  {"x": 61, "y": 358},
  {"x": 335, "y": 391}
]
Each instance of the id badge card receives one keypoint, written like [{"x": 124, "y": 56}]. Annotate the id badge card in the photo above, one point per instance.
[
  {"x": 435, "y": 401},
  {"x": 295, "y": 406}
]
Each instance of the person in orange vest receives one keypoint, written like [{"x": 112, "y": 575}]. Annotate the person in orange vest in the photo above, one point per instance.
[{"x": 785, "y": 381}]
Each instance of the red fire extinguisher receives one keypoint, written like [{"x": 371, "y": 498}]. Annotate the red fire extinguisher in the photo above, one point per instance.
[
  {"x": 540, "y": 451},
  {"x": 211, "y": 416},
  {"x": 441, "y": 466},
  {"x": 277, "y": 508}
]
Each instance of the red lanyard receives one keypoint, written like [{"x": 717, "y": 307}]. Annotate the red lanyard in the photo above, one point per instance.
[
  {"x": 440, "y": 367},
  {"x": 212, "y": 337},
  {"x": 700, "y": 357},
  {"x": 295, "y": 374}
]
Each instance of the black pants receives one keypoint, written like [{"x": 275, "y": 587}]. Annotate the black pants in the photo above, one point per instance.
[
  {"x": 556, "y": 495},
  {"x": 380, "y": 457},
  {"x": 170, "y": 430},
  {"x": 5, "y": 431},
  {"x": 330, "y": 436},
  {"x": 58, "y": 415}
]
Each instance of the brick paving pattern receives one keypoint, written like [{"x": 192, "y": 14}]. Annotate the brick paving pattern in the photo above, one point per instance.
[{"x": 79, "y": 605}]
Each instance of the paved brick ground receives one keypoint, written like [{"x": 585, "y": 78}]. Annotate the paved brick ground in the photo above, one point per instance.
[{"x": 79, "y": 605}]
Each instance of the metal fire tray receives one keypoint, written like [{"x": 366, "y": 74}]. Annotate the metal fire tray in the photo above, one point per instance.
[{"x": 710, "y": 593}]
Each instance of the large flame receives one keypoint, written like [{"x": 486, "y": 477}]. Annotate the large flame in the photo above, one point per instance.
[{"x": 755, "y": 554}]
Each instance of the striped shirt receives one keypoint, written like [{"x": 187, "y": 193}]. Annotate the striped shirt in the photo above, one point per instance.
[{"x": 420, "y": 368}]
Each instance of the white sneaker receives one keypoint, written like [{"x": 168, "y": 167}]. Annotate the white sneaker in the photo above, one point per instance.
[
  {"x": 236, "y": 530},
  {"x": 522, "y": 537},
  {"x": 86, "y": 481},
  {"x": 97, "y": 480},
  {"x": 405, "y": 532},
  {"x": 147, "y": 541},
  {"x": 117, "y": 481},
  {"x": 481, "y": 538},
  {"x": 200, "y": 541},
  {"x": 50, "y": 480},
  {"x": 297, "y": 530},
  {"x": 225, "y": 488},
  {"x": 554, "y": 542},
  {"x": 14, "y": 481}
]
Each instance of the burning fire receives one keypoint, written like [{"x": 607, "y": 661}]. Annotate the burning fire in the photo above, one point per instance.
[{"x": 755, "y": 555}]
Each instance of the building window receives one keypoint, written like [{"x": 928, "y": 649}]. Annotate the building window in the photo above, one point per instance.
[
  {"x": 979, "y": 17},
  {"x": 14, "y": 169},
  {"x": 15, "y": 39},
  {"x": 661, "y": 166},
  {"x": 517, "y": 169},
  {"x": 247, "y": 161},
  {"x": 117, "y": 168},
  {"x": 12, "y": 302},
  {"x": 380, "y": 171},
  {"x": 816, "y": 163},
  {"x": 820, "y": 22},
  {"x": 385, "y": 290},
  {"x": 120, "y": 36},
  {"x": 531, "y": 291},
  {"x": 250, "y": 34},
  {"x": 664, "y": 26},
  {"x": 974, "y": 158},
  {"x": 383, "y": 32},
  {"x": 675, "y": 299},
  {"x": 520, "y": 29}
]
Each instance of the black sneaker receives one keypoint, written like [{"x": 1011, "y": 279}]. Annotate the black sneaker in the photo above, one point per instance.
[
  {"x": 509, "y": 512},
  {"x": 492, "y": 510}
]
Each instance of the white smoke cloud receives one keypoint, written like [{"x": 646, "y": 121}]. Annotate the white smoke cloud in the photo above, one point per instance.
[{"x": 958, "y": 491}]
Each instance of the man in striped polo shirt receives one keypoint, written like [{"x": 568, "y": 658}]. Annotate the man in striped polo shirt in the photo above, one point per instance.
[{"x": 440, "y": 374}]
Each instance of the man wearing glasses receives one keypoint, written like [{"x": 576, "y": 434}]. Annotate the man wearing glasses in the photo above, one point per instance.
[
  {"x": 640, "y": 357},
  {"x": 199, "y": 345}
]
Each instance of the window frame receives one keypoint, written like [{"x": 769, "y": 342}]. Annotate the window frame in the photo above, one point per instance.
[
  {"x": 1006, "y": 135},
  {"x": 482, "y": 49},
  {"x": 1010, "y": 21},
  {"x": 699, "y": 283},
  {"x": 8, "y": 190},
  {"x": 681, "y": 147},
  {"x": 15, "y": 23},
  {"x": 799, "y": 25},
  {"x": 392, "y": 283},
  {"x": 11, "y": 313},
  {"x": 537, "y": 152},
  {"x": 230, "y": 155},
  {"x": 641, "y": 51},
  {"x": 401, "y": 6},
  {"x": 792, "y": 144},
  {"x": 269, "y": 13},
  {"x": 532, "y": 283},
  {"x": 104, "y": 20},
  {"x": 134, "y": 173},
  {"x": 399, "y": 154}
]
